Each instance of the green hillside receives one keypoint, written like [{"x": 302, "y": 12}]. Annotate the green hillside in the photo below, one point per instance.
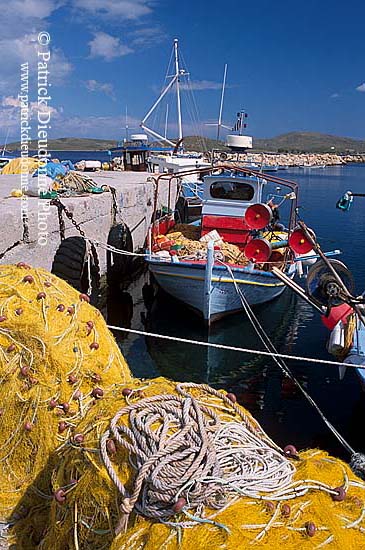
[
  {"x": 307, "y": 142},
  {"x": 196, "y": 143},
  {"x": 70, "y": 144}
]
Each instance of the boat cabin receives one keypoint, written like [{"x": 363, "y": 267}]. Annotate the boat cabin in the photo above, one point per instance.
[
  {"x": 226, "y": 198},
  {"x": 175, "y": 163}
]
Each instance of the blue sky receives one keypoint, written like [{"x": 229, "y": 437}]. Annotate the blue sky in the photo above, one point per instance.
[{"x": 294, "y": 66}]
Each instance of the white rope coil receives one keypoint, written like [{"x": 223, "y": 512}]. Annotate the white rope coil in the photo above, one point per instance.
[{"x": 182, "y": 450}]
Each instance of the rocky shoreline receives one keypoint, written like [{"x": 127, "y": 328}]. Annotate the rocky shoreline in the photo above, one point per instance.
[{"x": 302, "y": 159}]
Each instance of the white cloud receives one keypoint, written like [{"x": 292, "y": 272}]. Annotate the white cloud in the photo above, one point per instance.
[
  {"x": 20, "y": 17},
  {"x": 147, "y": 36},
  {"x": 361, "y": 88},
  {"x": 334, "y": 96},
  {"x": 108, "y": 47},
  {"x": 10, "y": 115},
  {"x": 104, "y": 87},
  {"x": 12, "y": 102},
  {"x": 202, "y": 85},
  {"x": 25, "y": 49},
  {"x": 118, "y": 10},
  {"x": 21, "y": 20},
  {"x": 30, "y": 8}
]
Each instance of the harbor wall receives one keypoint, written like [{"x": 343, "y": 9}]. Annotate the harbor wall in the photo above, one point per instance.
[
  {"x": 292, "y": 159},
  {"x": 93, "y": 212}
]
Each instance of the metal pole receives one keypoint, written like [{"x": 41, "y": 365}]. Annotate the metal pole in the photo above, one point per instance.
[
  {"x": 166, "y": 119},
  {"x": 221, "y": 104},
  {"x": 177, "y": 71},
  {"x": 157, "y": 135},
  {"x": 159, "y": 100},
  {"x": 126, "y": 123}
]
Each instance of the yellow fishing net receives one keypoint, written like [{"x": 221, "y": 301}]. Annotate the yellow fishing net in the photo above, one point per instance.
[
  {"x": 187, "y": 243},
  {"x": 91, "y": 458},
  {"x": 57, "y": 358},
  {"x": 21, "y": 165},
  {"x": 275, "y": 501},
  {"x": 186, "y": 239}
]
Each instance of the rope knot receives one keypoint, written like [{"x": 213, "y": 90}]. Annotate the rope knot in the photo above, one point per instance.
[{"x": 126, "y": 506}]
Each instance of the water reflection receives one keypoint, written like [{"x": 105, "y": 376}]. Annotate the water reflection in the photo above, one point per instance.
[{"x": 291, "y": 324}]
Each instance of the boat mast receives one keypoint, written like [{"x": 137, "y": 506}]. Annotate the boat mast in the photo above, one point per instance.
[
  {"x": 126, "y": 124},
  {"x": 174, "y": 80},
  {"x": 177, "y": 73},
  {"x": 221, "y": 104},
  {"x": 5, "y": 144},
  {"x": 166, "y": 119}
]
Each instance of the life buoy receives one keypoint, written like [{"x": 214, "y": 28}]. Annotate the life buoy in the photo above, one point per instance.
[{"x": 77, "y": 263}]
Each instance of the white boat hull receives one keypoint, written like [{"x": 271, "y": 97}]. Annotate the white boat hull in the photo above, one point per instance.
[{"x": 216, "y": 296}]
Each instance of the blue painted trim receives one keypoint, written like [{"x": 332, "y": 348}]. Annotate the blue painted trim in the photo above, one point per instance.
[{"x": 215, "y": 267}]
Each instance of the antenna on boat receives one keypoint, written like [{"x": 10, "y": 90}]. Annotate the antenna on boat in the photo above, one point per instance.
[
  {"x": 126, "y": 124},
  {"x": 174, "y": 80},
  {"x": 241, "y": 116},
  {"x": 220, "y": 124},
  {"x": 221, "y": 104}
]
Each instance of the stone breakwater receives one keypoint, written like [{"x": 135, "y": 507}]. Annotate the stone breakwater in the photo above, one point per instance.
[{"x": 292, "y": 159}]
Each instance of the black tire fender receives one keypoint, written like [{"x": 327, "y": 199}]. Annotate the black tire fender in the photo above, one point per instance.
[
  {"x": 70, "y": 263},
  {"x": 118, "y": 265}
]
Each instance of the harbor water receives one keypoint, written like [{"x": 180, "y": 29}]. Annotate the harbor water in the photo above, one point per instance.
[{"x": 294, "y": 327}]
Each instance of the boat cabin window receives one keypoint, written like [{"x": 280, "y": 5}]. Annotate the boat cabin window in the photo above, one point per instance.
[{"x": 231, "y": 190}]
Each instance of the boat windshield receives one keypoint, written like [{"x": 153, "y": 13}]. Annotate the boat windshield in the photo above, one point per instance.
[{"x": 231, "y": 190}]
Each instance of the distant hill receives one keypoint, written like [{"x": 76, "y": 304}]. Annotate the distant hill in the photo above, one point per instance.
[
  {"x": 70, "y": 144},
  {"x": 307, "y": 142},
  {"x": 197, "y": 143}
]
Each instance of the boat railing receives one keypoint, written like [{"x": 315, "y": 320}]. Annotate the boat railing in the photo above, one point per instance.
[{"x": 169, "y": 179}]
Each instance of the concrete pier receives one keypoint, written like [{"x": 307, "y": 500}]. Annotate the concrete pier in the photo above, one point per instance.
[{"x": 135, "y": 196}]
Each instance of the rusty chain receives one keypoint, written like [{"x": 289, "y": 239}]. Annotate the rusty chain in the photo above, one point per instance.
[{"x": 62, "y": 208}]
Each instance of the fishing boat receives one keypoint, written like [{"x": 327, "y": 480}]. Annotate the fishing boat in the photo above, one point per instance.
[
  {"x": 236, "y": 243},
  {"x": 5, "y": 159},
  {"x": 5, "y": 155}
]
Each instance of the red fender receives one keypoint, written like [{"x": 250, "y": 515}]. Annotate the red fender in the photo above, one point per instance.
[{"x": 337, "y": 314}]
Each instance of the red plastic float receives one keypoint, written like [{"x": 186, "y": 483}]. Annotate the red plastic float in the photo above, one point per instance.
[
  {"x": 299, "y": 242},
  {"x": 258, "y": 216},
  {"x": 258, "y": 250}
]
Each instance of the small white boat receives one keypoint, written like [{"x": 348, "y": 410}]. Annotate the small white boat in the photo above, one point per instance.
[{"x": 88, "y": 165}]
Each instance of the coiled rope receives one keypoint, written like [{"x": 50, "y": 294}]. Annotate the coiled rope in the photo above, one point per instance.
[{"x": 188, "y": 458}]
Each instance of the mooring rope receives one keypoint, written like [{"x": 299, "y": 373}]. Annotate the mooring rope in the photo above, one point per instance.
[
  {"x": 357, "y": 459},
  {"x": 234, "y": 348}
]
